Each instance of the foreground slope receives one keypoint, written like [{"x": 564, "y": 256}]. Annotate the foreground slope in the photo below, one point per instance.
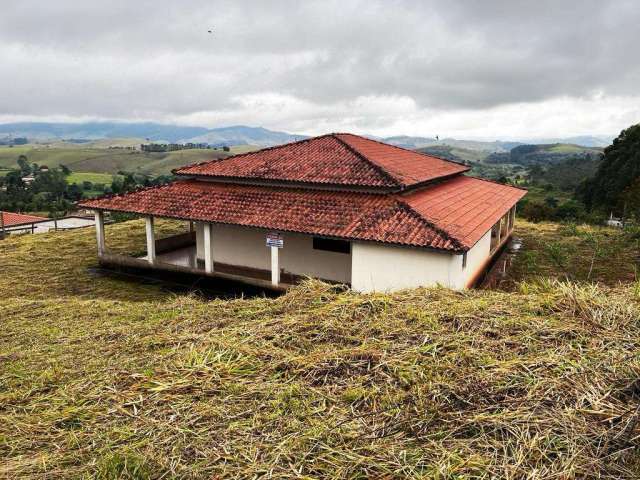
[{"x": 105, "y": 378}]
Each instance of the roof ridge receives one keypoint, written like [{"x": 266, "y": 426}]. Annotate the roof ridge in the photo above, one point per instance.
[
  {"x": 455, "y": 240},
  {"x": 361, "y": 156},
  {"x": 403, "y": 149},
  {"x": 265, "y": 149}
]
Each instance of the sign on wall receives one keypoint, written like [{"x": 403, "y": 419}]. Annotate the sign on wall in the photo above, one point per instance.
[{"x": 275, "y": 240}]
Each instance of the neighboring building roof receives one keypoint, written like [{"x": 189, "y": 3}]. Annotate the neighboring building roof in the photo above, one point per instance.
[
  {"x": 464, "y": 207},
  {"x": 452, "y": 215},
  {"x": 10, "y": 219},
  {"x": 334, "y": 159}
]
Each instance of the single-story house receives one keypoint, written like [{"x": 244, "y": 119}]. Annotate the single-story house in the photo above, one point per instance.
[{"x": 338, "y": 207}]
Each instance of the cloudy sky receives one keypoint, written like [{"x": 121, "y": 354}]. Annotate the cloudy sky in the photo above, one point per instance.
[{"x": 485, "y": 69}]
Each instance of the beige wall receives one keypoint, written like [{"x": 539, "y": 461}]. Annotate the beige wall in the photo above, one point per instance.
[
  {"x": 381, "y": 268},
  {"x": 244, "y": 246},
  {"x": 370, "y": 267},
  {"x": 476, "y": 257}
]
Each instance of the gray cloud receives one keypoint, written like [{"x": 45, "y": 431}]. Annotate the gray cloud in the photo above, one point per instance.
[{"x": 155, "y": 60}]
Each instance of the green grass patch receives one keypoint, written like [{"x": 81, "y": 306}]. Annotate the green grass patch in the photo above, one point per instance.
[
  {"x": 79, "y": 177},
  {"x": 579, "y": 253},
  {"x": 104, "y": 160}
]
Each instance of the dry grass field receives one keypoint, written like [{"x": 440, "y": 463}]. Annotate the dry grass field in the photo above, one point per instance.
[{"x": 105, "y": 378}]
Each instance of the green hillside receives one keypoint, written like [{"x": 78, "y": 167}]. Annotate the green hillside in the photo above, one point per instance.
[
  {"x": 106, "y": 377},
  {"x": 457, "y": 154},
  {"x": 104, "y": 160},
  {"x": 543, "y": 154}
]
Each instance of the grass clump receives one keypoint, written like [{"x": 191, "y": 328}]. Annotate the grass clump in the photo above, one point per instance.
[
  {"x": 103, "y": 378},
  {"x": 577, "y": 253}
]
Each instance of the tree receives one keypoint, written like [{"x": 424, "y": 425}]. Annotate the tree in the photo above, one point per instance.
[
  {"x": 570, "y": 210},
  {"x": 631, "y": 196},
  {"x": 23, "y": 164},
  {"x": 536, "y": 211},
  {"x": 52, "y": 182},
  {"x": 65, "y": 170},
  {"x": 74, "y": 192},
  {"x": 551, "y": 201}
]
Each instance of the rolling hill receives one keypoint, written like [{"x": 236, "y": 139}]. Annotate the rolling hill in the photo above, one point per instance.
[
  {"x": 105, "y": 160},
  {"x": 544, "y": 154}
]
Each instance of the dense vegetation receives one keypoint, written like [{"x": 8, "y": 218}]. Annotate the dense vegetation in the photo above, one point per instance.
[
  {"x": 101, "y": 377},
  {"x": 35, "y": 188},
  {"x": 616, "y": 185},
  {"x": 30, "y": 188}
]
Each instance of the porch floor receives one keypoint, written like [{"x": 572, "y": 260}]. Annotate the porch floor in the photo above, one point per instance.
[{"x": 186, "y": 258}]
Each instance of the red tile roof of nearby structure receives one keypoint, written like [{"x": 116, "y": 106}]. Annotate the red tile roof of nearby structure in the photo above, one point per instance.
[
  {"x": 335, "y": 159},
  {"x": 349, "y": 215},
  {"x": 10, "y": 219},
  {"x": 465, "y": 207},
  {"x": 452, "y": 215}
]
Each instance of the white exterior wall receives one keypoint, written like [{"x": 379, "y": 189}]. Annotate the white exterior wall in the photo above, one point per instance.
[
  {"x": 243, "y": 246},
  {"x": 370, "y": 267},
  {"x": 476, "y": 258},
  {"x": 382, "y": 268}
]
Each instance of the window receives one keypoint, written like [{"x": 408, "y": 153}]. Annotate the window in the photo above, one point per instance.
[
  {"x": 338, "y": 246},
  {"x": 464, "y": 260}
]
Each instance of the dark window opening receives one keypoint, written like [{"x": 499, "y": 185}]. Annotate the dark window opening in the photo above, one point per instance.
[{"x": 338, "y": 246}]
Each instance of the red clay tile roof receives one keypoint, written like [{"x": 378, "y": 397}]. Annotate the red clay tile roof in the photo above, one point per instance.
[
  {"x": 335, "y": 159},
  {"x": 349, "y": 215},
  {"x": 465, "y": 207},
  {"x": 11, "y": 219},
  {"x": 451, "y": 215},
  {"x": 407, "y": 167}
]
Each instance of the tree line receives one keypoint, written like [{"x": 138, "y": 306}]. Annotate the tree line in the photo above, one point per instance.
[{"x": 33, "y": 188}]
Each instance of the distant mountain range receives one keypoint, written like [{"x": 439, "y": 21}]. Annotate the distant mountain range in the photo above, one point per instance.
[
  {"x": 153, "y": 132},
  {"x": 244, "y": 135}
]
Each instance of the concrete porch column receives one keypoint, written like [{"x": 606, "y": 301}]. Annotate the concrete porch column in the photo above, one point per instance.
[
  {"x": 151, "y": 241},
  {"x": 275, "y": 269},
  {"x": 99, "y": 232},
  {"x": 208, "y": 247}
]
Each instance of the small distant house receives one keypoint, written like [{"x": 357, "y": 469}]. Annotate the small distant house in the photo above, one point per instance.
[
  {"x": 11, "y": 222},
  {"x": 338, "y": 207}
]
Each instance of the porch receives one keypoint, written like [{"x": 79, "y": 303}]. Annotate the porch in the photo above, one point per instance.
[{"x": 237, "y": 254}]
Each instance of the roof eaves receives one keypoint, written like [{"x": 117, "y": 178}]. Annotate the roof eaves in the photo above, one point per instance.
[{"x": 265, "y": 227}]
